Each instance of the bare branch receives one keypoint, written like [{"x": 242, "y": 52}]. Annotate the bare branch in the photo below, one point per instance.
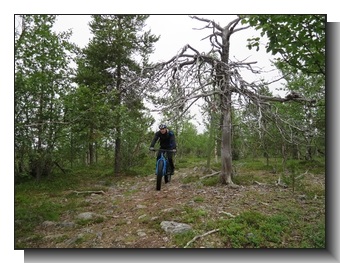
[
  {"x": 191, "y": 75},
  {"x": 200, "y": 236},
  {"x": 215, "y": 25},
  {"x": 89, "y": 192}
]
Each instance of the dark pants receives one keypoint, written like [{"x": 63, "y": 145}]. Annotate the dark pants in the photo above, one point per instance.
[{"x": 171, "y": 162}]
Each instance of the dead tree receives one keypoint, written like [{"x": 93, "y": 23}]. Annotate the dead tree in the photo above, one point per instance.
[{"x": 201, "y": 75}]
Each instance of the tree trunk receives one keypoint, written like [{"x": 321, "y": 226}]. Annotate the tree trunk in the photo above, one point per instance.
[
  {"x": 224, "y": 83},
  {"x": 295, "y": 152},
  {"x": 211, "y": 141},
  {"x": 117, "y": 167},
  {"x": 71, "y": 148},
  {"x": 226, "y": 157},
  {"x": 91, "y": 146},
  {"x": 284, "y": 157},
  {"x": 38, "y": 159},
  {"x": 91, "y": 153}
]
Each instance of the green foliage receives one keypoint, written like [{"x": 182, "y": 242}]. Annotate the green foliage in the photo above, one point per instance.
[
  {"x": 198, "y": 199},
  {"x": 182, "y": 238},
  {"x": 254, "y": 230},
  {"x": 86, "y": 222},
  {"x": 32, "y": 211},
  {"x": 211, "y": 181},
  {"x": 108, "y": 69},
  {"x": 42, "y": 61},
  {"x": 299, "y": 39},
  {"x": 307, "y": 120},
  {"x": 148, "y": 167},
  {"x": 190, "y": 143},
  {"x": 61, "y": 125},
  {"x": 315, "y": 236},
  {"x": 36, "y": 202},
  {"x": 298, "y": 173},
  {"x": 191, "y": 215},
  {"x": 189, "y": 179},
  {"x": 187, "y": 161}
]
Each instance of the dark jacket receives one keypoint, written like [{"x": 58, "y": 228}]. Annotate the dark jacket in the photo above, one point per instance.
[{"x": 166, "y": 140}]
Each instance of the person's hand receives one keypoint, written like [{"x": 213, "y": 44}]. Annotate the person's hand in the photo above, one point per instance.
[{"x": 151, "y": 149}]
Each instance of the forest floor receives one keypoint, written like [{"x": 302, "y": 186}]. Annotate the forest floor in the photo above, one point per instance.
[{"x": 128, "y": 212}]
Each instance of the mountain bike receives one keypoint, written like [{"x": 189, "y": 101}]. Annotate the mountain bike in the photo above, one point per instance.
[{"x": 162, "y": 168}]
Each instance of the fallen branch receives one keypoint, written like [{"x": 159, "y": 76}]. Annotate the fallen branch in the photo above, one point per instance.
[
  {"x": 226, "y": 213},
  {"x": 89, "y": 192},
  {"x": 278, "y": 183},
  {"x": 203, "y": 235},
  {"x": 301, "y": 175},
  {"x": 210, "y": 175},
  {"x": 258, "y": 183}
]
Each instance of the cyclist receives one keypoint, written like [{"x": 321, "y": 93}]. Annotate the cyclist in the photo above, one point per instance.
[{"x": 167, "y": 141}]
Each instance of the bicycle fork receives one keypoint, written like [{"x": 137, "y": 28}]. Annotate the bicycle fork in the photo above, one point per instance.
[{"x": 164, "y": 164}]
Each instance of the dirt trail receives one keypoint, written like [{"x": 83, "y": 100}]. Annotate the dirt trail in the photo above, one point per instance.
[{"x": 130, "y": 213}]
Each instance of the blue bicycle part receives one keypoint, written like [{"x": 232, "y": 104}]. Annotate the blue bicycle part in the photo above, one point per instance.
[{"x": 162, "y": 165}]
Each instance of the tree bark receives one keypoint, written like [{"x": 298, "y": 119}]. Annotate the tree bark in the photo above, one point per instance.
[
  {"x": 91, "y": 146},
  {"x": 223, "y": 74},
  {"x": 226, "y": 157},
  {"x": 117, "y": 165}
]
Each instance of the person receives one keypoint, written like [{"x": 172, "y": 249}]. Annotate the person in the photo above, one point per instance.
[{"x": 167, "y": 141}]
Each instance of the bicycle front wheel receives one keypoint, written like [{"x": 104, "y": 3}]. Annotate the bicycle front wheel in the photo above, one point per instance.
[
  {"x": 159, "y": 174},
  {"x": 167, "y": 176}
]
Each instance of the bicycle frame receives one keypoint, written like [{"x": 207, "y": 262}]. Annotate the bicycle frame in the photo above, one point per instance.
[
  {"x": 162, "y": 159},
  {"x": 161, "y": 168}
]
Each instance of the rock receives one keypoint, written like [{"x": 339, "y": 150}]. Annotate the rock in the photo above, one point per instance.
[
  {"x": 88, "y": 216},
  {"x": 141, "y": 233},
  {"x": 48, "y": 223},
  {"x": 168, "y": 210},
  {"x": 66, "y": 224},
  {"x": 142, "y": 216},
  {"x": 175, "y": 227},
  {"x": 233, "y": 186}
]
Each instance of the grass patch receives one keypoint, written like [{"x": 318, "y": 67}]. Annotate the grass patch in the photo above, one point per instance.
[
  {"x": 252, "y": 229},
  {"x": 187, "y": 162},
  {"x": 190, "y": 179},
  {"x": 192, "y": 215},
  {"x": 86, "y": 222},
  {"x": 33, "y": 209},
  {"x": 148, "y": 167},
  {"x": 198, "y": 199},
  {"x": 182, "y": 239},
  {"x": 211, "y": 181}
]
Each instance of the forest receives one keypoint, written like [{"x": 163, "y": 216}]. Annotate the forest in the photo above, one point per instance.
[{"x": 86, "y": 110}]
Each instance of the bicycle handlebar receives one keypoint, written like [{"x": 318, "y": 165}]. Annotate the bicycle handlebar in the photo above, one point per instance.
[{"x": 163, "y": 150}]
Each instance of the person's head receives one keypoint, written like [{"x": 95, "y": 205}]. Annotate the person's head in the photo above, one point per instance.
[{"x": 162, "y": 128}]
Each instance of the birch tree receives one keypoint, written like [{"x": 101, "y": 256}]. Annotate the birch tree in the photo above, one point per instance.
[{"x": 42, "y": 60}]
